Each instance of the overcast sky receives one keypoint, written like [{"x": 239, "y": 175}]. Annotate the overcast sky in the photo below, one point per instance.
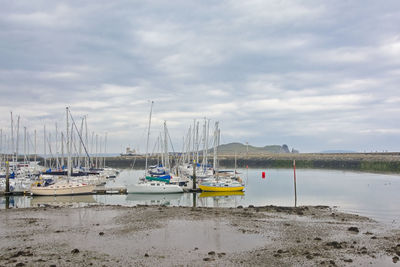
[{"x": 315, "y": 75}]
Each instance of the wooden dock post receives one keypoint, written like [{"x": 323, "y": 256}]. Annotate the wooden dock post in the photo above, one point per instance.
[
  {"x": 7, "y": 202},
  {"x": 7, "y": 191},
  {"x": 194, "y": 175},
  {"x": 194, "y": 199}
]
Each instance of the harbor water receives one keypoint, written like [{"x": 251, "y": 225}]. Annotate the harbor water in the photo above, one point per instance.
[{"x": 368, "y": 194}]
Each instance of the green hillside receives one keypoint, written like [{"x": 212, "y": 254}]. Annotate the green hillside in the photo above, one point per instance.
[{"x": 240, "y": 148}]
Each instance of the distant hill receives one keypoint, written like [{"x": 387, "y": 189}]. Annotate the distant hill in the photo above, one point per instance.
[{"x": 240, "y": 148}]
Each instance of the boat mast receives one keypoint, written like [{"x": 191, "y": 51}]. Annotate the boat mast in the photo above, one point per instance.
[
  {"x": 100, "y": 146},
  {"x": 17, "y": 147},
  {"x": 28, "y": 138},
  {"x": 97, "y": 164},
  {"x": 194, "y": 140},
  {"x": 87, "y": 163},
  {"x": 35, "y": 146},
  {"x": 25, "y": 159},
  {"x": 9, "y": 154},
  {"x": 62, "y": 150},
  {"x": 183, "y": 150},
  {"x": 160, "y": 145},
  {"x": 197, "y": 142},
  {"x": 92, "y": 150},
  {"x": 166, "y": 145},
  {"x": 215, "y": 147},
  {"x": 218, "y": 143},
  {"x": 50, "y": 151},
  {"x": 105, "y": 150},
  {"x": 12, "y": 136},
  {"x": 80, "y": 144},
  {"x": 44, "y": 145},
  {"x": 68, "y": 146},
  {"x": 189, "y": 144},
  {"x": 204, "y": 143},
  {"x": 157, "y": 150},
  {"x": 148, "y": 136},
  {"x": 235, "y": 164},
  {"x": 207, "y": 134},
  {"x": 87, "y": 143},
  {"x": 57, "y": 160}
]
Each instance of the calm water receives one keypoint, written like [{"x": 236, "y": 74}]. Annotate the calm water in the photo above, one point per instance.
[{"x": 370, "y": 194}]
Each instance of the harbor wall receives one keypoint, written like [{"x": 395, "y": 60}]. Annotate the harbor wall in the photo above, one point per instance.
[{"x": 368, "y": 162}]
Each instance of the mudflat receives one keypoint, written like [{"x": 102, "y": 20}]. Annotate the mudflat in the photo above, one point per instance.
[{"x": 185, "y": 236}]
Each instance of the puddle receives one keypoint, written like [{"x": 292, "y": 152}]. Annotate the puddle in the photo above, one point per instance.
[
  {"x": 206, "y": 235},
  {"x": 194, "y": 239}
]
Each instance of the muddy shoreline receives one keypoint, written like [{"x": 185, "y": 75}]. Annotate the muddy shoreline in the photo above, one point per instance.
[{"x": 185, "y": 236}]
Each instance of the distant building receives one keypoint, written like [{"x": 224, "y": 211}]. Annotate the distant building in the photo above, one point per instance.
[{"x": 129, "y": 152}]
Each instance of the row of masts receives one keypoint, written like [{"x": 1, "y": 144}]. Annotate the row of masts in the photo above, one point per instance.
[
  {"x": 192, "y": 152},
  {"x": 191, "y": 144},
  {"x": 54, "y": 156}
]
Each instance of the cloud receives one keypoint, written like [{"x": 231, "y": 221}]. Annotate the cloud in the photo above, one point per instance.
[
  {"x": 315, "y": 75},
  {"x": 58, "y": 16}
]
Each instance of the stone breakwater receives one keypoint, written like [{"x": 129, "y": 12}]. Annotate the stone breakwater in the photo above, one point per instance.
[{"x": 371, "y": 162}]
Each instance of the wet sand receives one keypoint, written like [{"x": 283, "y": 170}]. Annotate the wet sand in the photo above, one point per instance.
[{"x": 184, "y": 236}]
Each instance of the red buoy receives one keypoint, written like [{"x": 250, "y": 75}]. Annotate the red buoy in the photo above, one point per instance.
[{"x": 263, "y": 175}]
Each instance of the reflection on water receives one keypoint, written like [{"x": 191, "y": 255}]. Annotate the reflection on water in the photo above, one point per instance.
[
  {"x": 220, "y": 199},
  {"x": 221, "y": 194},
  {"x": 14, "y": 202},
  {"x": 369, "y": 194},
  {"x": 153, "y": 199},
  {"x": 38, "y": 201}
]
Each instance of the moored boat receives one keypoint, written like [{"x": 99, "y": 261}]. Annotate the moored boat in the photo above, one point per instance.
[
  {"x": 62, "y": 188},
  {"x": 154, "y": 187},
  {"x": 226, "y": 185}
]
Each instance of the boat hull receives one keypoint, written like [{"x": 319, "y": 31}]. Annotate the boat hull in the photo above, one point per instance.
[
  {"x": 148, "y": 189},
  {"x": 221, "y": 188},
  {"x": 54, "y": 190}
]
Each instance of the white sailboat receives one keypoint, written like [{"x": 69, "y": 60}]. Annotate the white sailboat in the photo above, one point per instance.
[
  {"x": 152, "y": 187},
  {"x": 63, "y": 187}
]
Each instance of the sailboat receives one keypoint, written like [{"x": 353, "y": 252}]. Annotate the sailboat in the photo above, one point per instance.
[
  {"x": 223, "y": 185},
  {"x": 63, "y": 187},
  {"x": 152, "y": 187},
  {"x": 217, "y": 184}
]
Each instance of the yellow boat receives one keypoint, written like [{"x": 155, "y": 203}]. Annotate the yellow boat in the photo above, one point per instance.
[
  {"x": 221, "y": 194},
  {"x": 221, "y": 186}
]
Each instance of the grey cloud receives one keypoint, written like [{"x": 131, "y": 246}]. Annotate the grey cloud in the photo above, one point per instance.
[{"x": 315, "y": 75}]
